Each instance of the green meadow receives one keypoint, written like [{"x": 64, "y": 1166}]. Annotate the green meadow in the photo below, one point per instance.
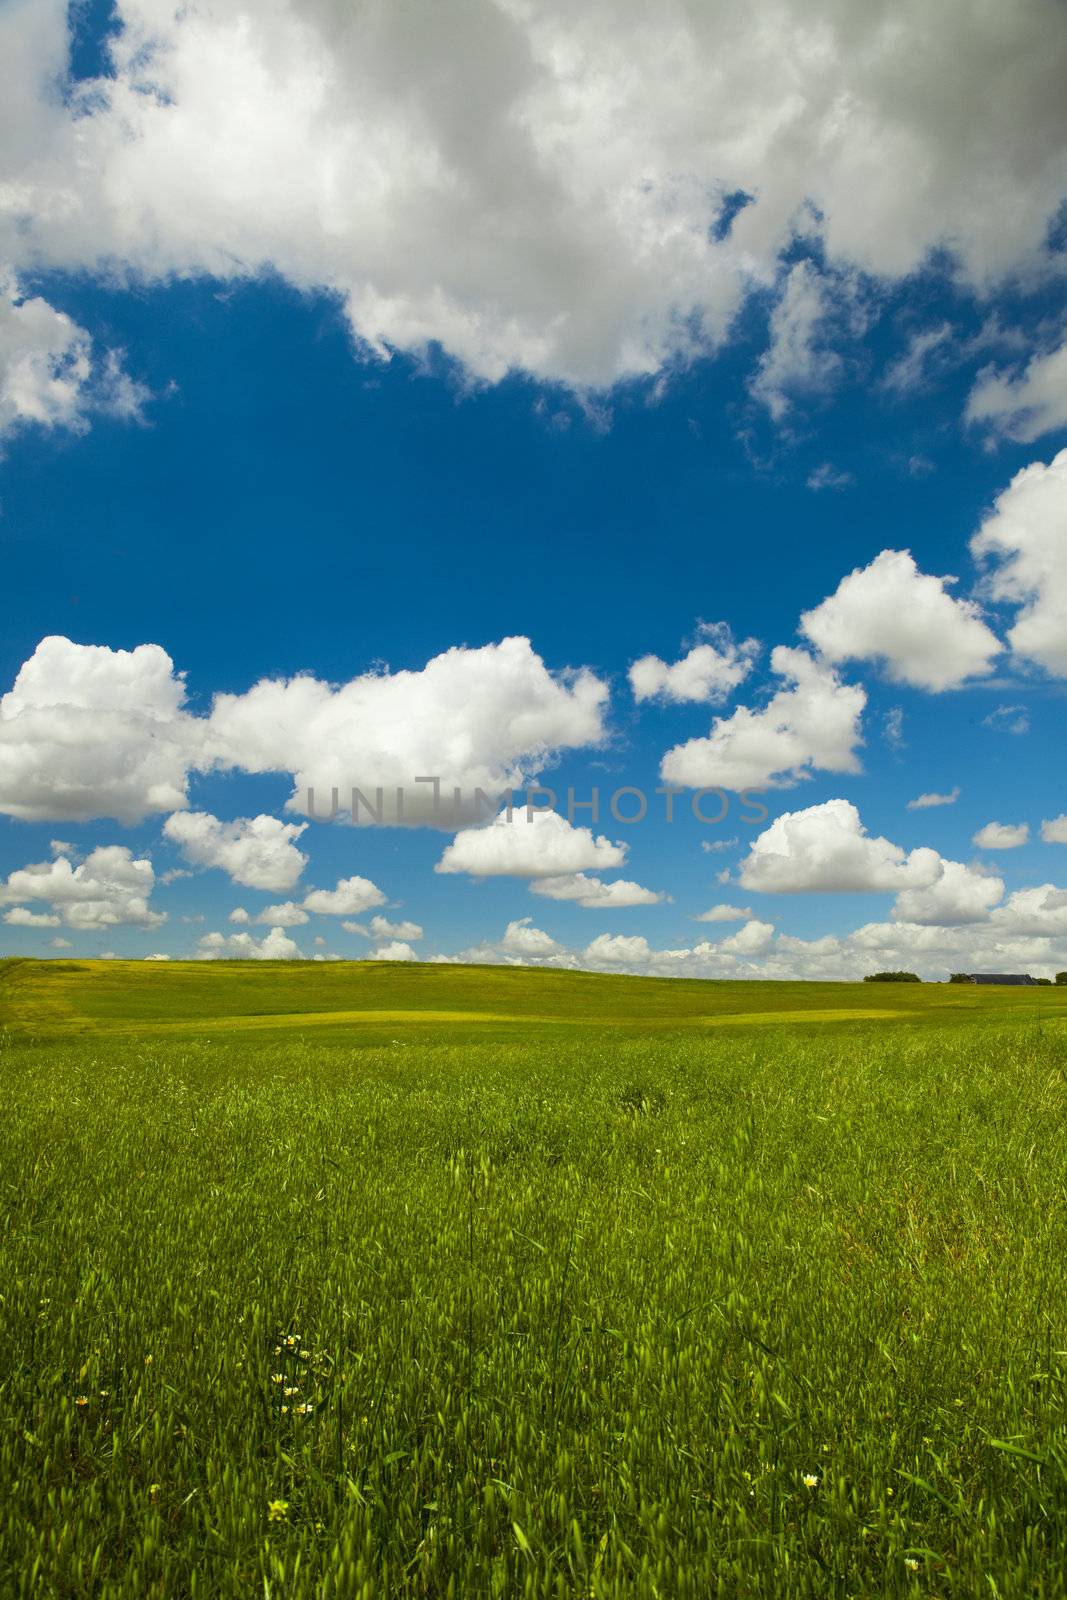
[{"x": 358, "y": 1280}]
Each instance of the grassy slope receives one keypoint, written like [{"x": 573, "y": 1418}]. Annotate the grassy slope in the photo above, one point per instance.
[
  {"x": 582, "y": 1306},
  {"x": 373, "y": 1001}
]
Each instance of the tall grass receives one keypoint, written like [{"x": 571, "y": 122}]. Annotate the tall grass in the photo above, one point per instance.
[{"x": 773, "y": 1315}]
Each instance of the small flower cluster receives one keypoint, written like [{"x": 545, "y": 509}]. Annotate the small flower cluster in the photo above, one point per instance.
[{"x": 297, "y": 1367}]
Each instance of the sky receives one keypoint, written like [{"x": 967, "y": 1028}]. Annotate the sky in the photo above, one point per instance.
[{"x": 655, "y": 413}]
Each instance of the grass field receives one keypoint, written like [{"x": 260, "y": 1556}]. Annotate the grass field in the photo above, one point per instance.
[{"x": 357, "y": 1280}]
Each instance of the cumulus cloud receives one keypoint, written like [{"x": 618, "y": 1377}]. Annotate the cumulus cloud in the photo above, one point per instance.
[
  {"x": 90, "y": 732},
  {"x": 812, "y": 724},
  {"x": 1039, "y": 912},
  {"x": 618, "y": 949},
  {"x": 522, "y": 939},
  {"x": 1054, "y": 830},
  {"x": 923, "y": 802},
  {"x": 724, "y": 913},
  {"x": 286, "y": 915},
  {"x": 274, "y": 946},
  {"x": 594, "y": 894},
  {"x": 351, "y": 896},
  {"x": 485, "y": 719},
  {"x": 751, "y": 940},
  {"x": 110, "y": 888},
  {"x": 709, "y": 672},
  {"x": 961, "y": 895},
  {"x": 1002, "y": 835},
  {"x": 826, "y": 848},
  {"x": 382, "y": 928},
  {"x": 891, "y": 612},
  {"x": 1022, "y": 403},
  {"x": 1025, "y": 537},
  {"x": 529, "y": 844},
  {"x": 23, "y": 917},
  {"x": 50, "y": 375},
  {"x": 395, "y": 950},
  {"x": 538, "y": 187},
  {"x": 257, "y": 852}
]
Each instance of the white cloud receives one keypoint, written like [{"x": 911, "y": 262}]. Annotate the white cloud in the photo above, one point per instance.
[
  {"x": 1054, "y": 830},
  {"x": 1026, "y": 533},
  {"x": 274, "y": 946},
  {"x": 351, "y": 896},
  {"x": 91, "y": 732},
  {"x": 286, "y": 915},
  {"x": 522, "y": 939},
  {"x": 618, "y": 949},
  {"x": 594, "y": 894},
  {"x": 484, "y": 719},
  {"x": 239, "y": 914},
  {"x": 814, "y": 724},
  {"x": 257, "y": 852},
  {"x": 382, "y": 929},
  {"x": 1022, "y": 404},
  {"x": 959, "y": 896},
  {"x": 23, "y": 917},
  {"x": 724, "y": 913},
  {"x": 157, "y": 956},
  {"x": 826, "y": 848},
  {"x": 1002, "y": 835},
  {"x": 110, "y": 888},
  {"x": 709, "y": 672},
  {"x": 529, "y": 844},
  {"x": 752, "y": 940},
  {"x": 1039, "y": 912},
  {"x": 889, "y": 611},
  {"x": 798, "y": 360},
  {"x": 536, "y": 186},
  {"x": 50, "y": 375},
  {"x": 395, "y": 950},
  {"x": 923, "y": 802},
  {"x": 59, "y": 944}
]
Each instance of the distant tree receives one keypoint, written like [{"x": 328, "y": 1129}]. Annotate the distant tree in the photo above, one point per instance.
[
  {"x": 1043, "y": 980},
  {"x": 1061, "y": 977},
  {"x": 960, "y": 977},
  {"x": 892, "y": 977}
]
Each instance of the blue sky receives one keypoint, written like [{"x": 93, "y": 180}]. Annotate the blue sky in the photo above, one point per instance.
[{"x": 328, "y": 447}]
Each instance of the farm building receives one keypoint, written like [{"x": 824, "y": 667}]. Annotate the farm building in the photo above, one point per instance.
[{"x": 1001, "y": 977}]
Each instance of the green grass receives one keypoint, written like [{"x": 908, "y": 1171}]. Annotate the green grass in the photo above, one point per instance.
[{"x": 585, "y": 1294}]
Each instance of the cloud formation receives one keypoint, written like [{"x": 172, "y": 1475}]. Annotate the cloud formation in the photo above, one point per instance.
[
  {"x": 109, "y": 889},
  {"x": 813, "y": 724},
  {"x": 1024, "y": 540},
  {"x": 891, "y": 612},
  {"x": 539, "y": 187},
  {"x": 1002, "y": 835},
  {"x": 258, "y": 852},
  {"x": 709, "y": 672},
  {"x": 535, "y": 844}
]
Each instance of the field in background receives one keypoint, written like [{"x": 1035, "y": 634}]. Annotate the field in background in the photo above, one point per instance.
[
  {"x": 582, "y": 1286},
  {"x": 371, "y": 1001}
]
